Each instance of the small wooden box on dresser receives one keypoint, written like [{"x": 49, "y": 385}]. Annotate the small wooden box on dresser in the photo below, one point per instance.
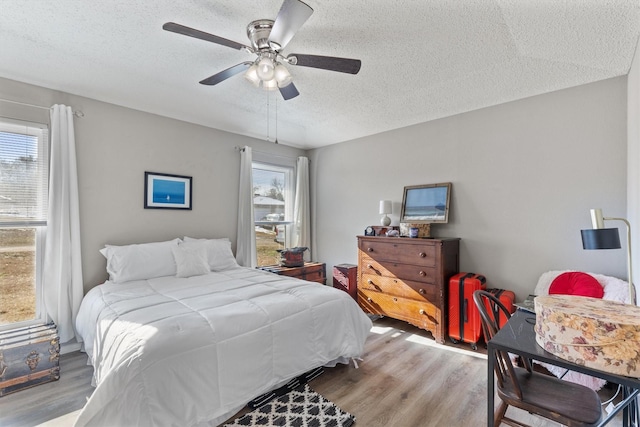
[{"x": 406, "y": 279}]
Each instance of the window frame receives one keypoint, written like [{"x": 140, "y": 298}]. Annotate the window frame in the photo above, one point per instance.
[
  {"x": 287, "y": 166},
  {"x": 40, "y": 226}
]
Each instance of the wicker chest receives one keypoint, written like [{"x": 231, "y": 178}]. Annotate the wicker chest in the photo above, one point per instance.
[
  {"x": 28, "y": 356},
  {"x": 406, "y": 279}
]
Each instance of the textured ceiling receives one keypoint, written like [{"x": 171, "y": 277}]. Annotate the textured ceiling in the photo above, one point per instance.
[{"x": 421, "y": 60}]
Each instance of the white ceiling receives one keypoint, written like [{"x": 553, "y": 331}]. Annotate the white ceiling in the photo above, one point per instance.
[{"x": 421, "y": 60}]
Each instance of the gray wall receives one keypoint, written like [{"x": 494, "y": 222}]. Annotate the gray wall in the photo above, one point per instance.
[
  {"x": 115, "y": 146},
  {"x": 524, "y": 174},
  {"x": 523, "y": 179}
]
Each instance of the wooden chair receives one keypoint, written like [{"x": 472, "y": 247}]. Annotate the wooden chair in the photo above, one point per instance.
[{"x": 544, "y": 395}]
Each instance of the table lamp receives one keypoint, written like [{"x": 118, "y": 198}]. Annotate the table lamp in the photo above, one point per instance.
[
  {"x": 608, "y": 238},
  {"x": 385, "y": 208}
]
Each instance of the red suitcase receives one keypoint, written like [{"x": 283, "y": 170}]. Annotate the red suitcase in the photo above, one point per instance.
[
  {"x": 507, "y": 298},
  {"x": 464, "y": 318}
]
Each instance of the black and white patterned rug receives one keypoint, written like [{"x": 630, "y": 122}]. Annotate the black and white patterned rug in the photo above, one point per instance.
[{"x": 301, "y": 407}]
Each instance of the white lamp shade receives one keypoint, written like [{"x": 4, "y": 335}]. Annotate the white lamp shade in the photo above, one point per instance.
[
  {"x": 282, "y": 75},
  {"x": 252, "y": 75},
  {"x": 270, "y": 84},
  {"x": 385, "y": 207},
  {"x": 265, "y": 69}
]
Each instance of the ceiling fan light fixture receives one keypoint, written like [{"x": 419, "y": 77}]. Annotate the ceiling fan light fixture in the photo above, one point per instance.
[
  {"x": 266, "y": 69},
  {"x": 252, "y": 75},
  {"x": 268, "y": 37},
  {"x": 270, "y": 84},
  {"x": 282, "y": 75}
]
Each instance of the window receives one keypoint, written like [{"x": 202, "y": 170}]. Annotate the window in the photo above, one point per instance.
[
  {"x": 24, "y": 157},
  {"x": 273, "y": 210}
]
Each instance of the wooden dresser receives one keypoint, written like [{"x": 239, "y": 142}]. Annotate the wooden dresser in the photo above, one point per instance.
[
  {"x": 406, "y": 279},
  {"x": 311, "y": 271}
]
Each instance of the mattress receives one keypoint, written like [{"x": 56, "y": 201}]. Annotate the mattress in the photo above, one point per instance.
[
  {"x": 596, "y": 333},
  {"x": 193, "y": 351}
]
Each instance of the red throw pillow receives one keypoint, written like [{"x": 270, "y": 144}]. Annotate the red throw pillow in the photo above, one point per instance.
[{"x": 576, "y": 283}]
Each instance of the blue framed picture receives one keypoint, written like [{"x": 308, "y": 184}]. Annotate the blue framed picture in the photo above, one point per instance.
[{"x": 164, "y": 191}]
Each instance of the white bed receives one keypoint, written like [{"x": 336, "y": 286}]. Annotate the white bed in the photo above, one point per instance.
[{"x": 171, "y": 351}]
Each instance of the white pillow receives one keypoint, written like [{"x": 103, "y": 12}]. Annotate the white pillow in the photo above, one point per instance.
[
  {"x": 140, "y": 261},
  {"x": 219, "y": 253},
  {"x": 191, "y": 260}
]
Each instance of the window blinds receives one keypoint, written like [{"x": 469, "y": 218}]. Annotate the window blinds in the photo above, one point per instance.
[{"x": 24, "y": 158}]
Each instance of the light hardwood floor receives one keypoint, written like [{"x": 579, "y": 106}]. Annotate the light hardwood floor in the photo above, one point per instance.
[{"x": 405, "y": 379}]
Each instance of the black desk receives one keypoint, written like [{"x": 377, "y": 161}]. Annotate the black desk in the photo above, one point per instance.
[{"x": 518, "y": 337}]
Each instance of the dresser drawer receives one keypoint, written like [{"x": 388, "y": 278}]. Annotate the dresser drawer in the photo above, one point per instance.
[
  {"x": 313, "y": 276},
  {"x": 400, "y": 288},
  {"x": 299, "y": 272},
  {"x": 311, "y": 271},
  {"x": 418, "y": 273},
  {"x": 422, "y": 314},
  {"x": 403, "y": 251}
]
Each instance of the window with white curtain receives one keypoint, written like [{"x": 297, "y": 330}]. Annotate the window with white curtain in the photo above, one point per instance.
[
  {"x": 24, "y": 159},
  {"x": 273, "y": 209}
]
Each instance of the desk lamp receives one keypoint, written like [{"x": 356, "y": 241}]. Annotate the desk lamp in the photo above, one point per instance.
[{"x": 608, "y": 238}]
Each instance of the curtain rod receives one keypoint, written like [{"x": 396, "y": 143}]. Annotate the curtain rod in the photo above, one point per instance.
[
  {"x": 76, "y": 113},
  {"x": 237, "y": 148}
]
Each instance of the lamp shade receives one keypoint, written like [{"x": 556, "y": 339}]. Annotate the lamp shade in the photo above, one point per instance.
[
  {"x": 385, "y": 207},
  {"x": 252, "y": 75},
  {"x": 265, "y": 69},
  {"x": 282, "y": 75},
  {"x": 601, "y": 238},
  {"x": 270, "y": 84}
]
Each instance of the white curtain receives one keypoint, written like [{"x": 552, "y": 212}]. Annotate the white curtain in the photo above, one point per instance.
[
  {"x": 301, "y": 212},
  {"x": 62, "y": 274},
  {"x": 246, "y": 243}
]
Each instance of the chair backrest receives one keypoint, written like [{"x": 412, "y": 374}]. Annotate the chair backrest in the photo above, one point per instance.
[{"x": 490, "y": 308}]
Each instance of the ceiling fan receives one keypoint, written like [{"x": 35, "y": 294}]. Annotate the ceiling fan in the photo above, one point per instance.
[{"x": 268, "y": 38}]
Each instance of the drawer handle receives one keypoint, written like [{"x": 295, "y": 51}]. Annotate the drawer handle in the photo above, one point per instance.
[
  {"x": 422, "y": 255},
  {"x": 370, "y": 282},
  {"x": 395, "y": 300},
  {"x": 422, "y": 311},
  {"x": 422, "y": 273},
  {"x": 369, "y": 299},
  {"x": 369, "y": 266},
  {"x": 422, "y": 291},
  {"x": 369, "y": 249}
]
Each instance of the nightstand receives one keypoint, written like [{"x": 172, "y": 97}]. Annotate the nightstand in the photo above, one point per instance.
[{"x": 311, "y": 271}]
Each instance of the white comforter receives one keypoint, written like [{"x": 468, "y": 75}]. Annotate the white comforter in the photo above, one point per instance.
[{"x": 184, "y": 352}]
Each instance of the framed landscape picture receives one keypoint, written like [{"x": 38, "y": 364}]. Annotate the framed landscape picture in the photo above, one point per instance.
[
  {"x": 425, "y": 204},
  {"x": 164, "y": 191}
]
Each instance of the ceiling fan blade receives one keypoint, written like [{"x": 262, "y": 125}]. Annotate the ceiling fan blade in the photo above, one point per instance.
[
  {"x": 292, "y": 15},
  {"x": 289, "y": 91},
  {"x": 224, "y": 75},
  {"x": 191, "y": 32},
  {"x": 332, "y": 63}
]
